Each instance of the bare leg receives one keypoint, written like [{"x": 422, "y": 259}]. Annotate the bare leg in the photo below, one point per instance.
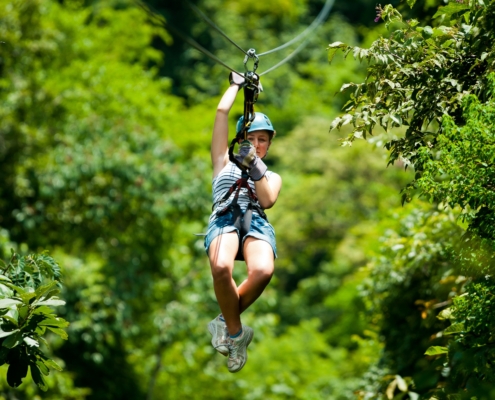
[
  {"x": 260, "y": 265},
  {"x": 222, "y": 252}
]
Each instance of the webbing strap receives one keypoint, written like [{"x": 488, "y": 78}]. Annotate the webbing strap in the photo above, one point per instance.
[
  {"x": 251, "y": 91},
  {"x": 242, "y": 221}
]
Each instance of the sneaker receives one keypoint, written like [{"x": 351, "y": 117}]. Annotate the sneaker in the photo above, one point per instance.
[
  {"x": 238, "y": 349},
  {"x": 220, "y": 336}
]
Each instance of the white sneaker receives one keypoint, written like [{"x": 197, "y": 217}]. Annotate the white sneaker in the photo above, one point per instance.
[
  {"x": 220, "y": 336},
  {"x": 238, "y": 349}
]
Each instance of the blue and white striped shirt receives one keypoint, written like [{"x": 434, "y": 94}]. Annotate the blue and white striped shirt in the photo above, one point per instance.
[{"x": 223, "y": 182}]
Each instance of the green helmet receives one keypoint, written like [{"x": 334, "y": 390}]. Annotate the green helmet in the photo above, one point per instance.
[{"x": 260, "y": 123}]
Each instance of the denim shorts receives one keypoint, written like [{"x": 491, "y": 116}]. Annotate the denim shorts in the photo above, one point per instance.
[{"x": 260, "y": 229}]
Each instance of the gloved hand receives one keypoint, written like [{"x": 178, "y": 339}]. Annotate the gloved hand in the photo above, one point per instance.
[
  {"x": 248, "y": 158},
  {"x": 237, "y": 79}
]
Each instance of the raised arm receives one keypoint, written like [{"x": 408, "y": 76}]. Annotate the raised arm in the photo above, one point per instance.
[{"x": 220, "y": 138}]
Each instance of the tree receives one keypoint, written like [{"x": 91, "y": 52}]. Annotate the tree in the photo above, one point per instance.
[{"x": 437, "y": 82}]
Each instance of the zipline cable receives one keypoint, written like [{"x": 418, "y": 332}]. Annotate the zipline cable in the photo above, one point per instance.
[
  {"x": 158, "y": 19},
  {"x": 213, "y": 25},
  {"x": 310, "y": 29},
  {"x": 305, "y": 34},
  {"x": 286, "y": 59}
]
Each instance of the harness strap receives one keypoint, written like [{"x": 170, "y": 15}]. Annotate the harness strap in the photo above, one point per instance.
[
  {"x": 251, "y": 91},
  {"x": 242, "y": 221}
]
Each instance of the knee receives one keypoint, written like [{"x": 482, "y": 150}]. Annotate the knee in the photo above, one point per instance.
[
  {"x": 262, "y": 273},
  {"x": 221, "y": 271}
]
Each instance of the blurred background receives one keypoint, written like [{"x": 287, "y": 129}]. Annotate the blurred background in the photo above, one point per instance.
[{"x": 105, "y": 126}]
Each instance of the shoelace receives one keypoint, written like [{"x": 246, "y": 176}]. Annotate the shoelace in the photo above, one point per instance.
[{"x": 232, "y": 350}]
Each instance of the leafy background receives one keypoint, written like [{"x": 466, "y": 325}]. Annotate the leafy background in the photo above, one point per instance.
[{"x": 104, "y": 158}]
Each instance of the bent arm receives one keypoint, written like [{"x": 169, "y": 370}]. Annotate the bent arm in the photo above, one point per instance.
[
  {"x": 220, "y": 138},
  {"x": 268, "y": 190}
]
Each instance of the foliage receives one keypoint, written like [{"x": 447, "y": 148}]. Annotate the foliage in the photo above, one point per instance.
[
  {"x": 28, "y": 288},
  {"x": 438, "y": 83},
  {"x": 460, "y": 173},
  {"x": 106, "y": 166},
  {"x": 471, "y": 354},
  {"x": 410, "y": 280},
  {"x": 418, "y": 75}
]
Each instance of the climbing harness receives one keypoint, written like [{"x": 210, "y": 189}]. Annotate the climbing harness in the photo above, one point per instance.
[
  {"x": 241, "y": 220},
  {"x": 252, "y": 88}
]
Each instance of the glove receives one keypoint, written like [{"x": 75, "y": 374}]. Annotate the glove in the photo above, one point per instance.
[
  {"x": 248, "y": 158},
  {"x": 237, "y": 79}
]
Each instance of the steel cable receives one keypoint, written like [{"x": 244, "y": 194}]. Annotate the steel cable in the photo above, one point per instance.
[
  {"x": 155, "y": 16},
  {"x": 213, "y": 25},
  {"x": 160, "y": 20},
  {"x": 318, "y": 21}
]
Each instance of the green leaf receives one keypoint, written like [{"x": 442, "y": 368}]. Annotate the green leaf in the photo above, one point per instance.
[
  {"x": 10, "y": 319},
  {"x": 38, "y": 377},
  {"x": 411, "y": 3},
  {"x": 43, "y": 367},
  {"x": 51, "y": 302},
  {"x": 427, "y": 31},
  {"x": 454, "y": 328},
  {"x": 346, "y": 86},
  {"x": 40, "y": 291},
  {"x": 56, "y": 322},
  {"x": 13, "y": 340},
  {"x": 436, "y": 350},
  {"x": 7, "y": 303},
  {"x": 17, "y": 371},
  {"x": 52, "y": 364},
  {"x": 59, "y": 332},
  {"x": 450, "y": 9},
  {"x": 18, "y": 289},
  {"x": 396, "y": 118},
  {"x": 43, "y": 310},
  {"x": 445, "y": 314},
  {"x": 413, "y": 395},
  {"x": 4, "y": 333},
  {"x": 23, "y": 311}
]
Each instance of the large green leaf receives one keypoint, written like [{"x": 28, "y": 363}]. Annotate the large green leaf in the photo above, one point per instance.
[
  {"x": 13, "y": 340},
  {"x": 38, "y": 377},
  {"x": 5, "y": 334},
  {"x": 17, "y": 371},
  {"x": 59, "y": 332},
  {"x": 454, "y": 328},
  {"x": 7, "y": 303},
  {"x": 451, "y": 8}
]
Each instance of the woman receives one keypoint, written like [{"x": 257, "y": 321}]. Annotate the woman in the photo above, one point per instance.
[{"x": 222, "y": 241}]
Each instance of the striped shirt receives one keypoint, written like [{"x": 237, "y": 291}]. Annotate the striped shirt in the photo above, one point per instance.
[{"x": 223, "y": 182}]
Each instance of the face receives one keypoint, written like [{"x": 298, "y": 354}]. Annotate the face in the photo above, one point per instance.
[{"x": 260, "y": 141}]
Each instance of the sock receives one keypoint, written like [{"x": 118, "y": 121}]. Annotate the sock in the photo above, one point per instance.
[
  {"x": 220, "y": 317},
  {"x": 236, "y": 335}
]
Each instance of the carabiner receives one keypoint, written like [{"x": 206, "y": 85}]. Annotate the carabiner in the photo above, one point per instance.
[{"x": 251, "y": 53}]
